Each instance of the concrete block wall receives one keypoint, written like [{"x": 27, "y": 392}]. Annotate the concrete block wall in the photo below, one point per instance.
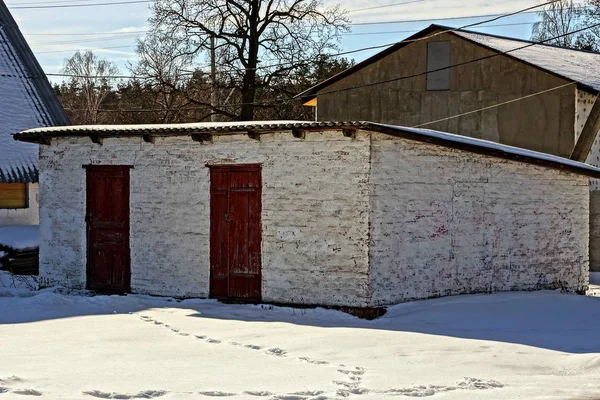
[
  {"x": 23, "y": 216},
  {"x": 315, "y": 213},
  {"x": 447, "y": 222}
]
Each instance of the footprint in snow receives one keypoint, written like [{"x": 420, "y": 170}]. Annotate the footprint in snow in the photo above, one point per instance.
[
  {"x": 275, "y": 351},
  {"x": 311, "y": 361},
  {"x": 253, "y": 347},
  {"x": 145, "y": 394},
  {"x": 215, "y": 341},
  {"x": 27, "y": 392},
  {"x": 258, "y": 393},
  {"x": 217, "y": 394},
  {"x": 357, "y": 371},
  {"x": 348, "y": 392}
]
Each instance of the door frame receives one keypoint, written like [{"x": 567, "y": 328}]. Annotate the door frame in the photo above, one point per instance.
[
  {"x": 127, "y": 195},
  {"x": 255, "y": 167}
]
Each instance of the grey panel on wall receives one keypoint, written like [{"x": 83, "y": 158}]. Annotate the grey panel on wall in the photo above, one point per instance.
[{"x": 438, "y": 56}]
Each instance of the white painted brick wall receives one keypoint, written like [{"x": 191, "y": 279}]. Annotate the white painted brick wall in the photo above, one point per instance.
[
  {"x": 23, "y": 216},
  {"x": 447, "y": 222},
  {"x": 315, "y": 213},
  {"x": 442, "y": 221}
]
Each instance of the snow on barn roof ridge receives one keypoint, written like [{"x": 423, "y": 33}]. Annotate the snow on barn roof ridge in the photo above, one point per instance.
[
  {"x": 27, "y": 101},
  {"x": 579, "y": 66},
  {"x": 44, "y": 135}
]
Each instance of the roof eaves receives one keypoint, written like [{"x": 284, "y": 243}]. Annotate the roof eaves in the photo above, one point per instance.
[{"x": 43, "y": 135}]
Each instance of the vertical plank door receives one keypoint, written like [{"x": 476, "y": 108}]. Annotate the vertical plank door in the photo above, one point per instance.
[
  {"x": 235, "y": 232},
  {"x": 108, "y": 266}
]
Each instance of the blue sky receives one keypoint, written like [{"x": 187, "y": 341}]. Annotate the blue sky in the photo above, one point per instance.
[{"x": 56, "y": 33}]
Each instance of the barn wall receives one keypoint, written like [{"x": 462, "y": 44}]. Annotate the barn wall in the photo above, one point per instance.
[
  {"x": 23, "y": 216},
  {"x": 542, "y": 123},
  {"x": 315, "y": 213},
  {"x": 447, "y": 222}
]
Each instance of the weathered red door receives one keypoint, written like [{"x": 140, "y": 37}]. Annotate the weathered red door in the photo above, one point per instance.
[
  {"x": 235, "y": 232},
  {"x": 107, "y": 219}
]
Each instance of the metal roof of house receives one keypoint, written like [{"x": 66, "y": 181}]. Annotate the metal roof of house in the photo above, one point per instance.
[
  {"x": 26, "y": 101},
  {"x": 575, "y": 65},
  {"x": 208, "y": 129}
]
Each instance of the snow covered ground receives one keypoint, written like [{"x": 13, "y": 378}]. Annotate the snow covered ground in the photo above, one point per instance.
[{"x": 542, "y": 345}]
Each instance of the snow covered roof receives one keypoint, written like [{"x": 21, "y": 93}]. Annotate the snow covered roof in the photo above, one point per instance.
[
  {"x": 26, "y": 101},
  {"x": 98, "y": 132},
  {"x": 574, "y": 65}
]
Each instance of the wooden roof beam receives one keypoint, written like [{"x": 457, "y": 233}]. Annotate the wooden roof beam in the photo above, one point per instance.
[
  {"x": 254, "y": 135},
  {"x": 349, "y": 133},
  {"x": 202, "y": 138},
  {"x": 149, "y": 138},
  {"x": 299, "y": 133}
]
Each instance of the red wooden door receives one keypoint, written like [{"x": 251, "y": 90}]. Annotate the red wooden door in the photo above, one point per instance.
[
  {"x": 235, "y": 232},
  {"x": 107, "y": 219}
]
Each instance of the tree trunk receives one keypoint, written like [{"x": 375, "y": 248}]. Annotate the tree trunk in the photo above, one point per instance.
[{"x": 249, "y": 82}]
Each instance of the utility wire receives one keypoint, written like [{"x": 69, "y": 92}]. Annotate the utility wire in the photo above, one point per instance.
[
  {"x": 279, "y": 101},
  {"x": 410, "y": 21},
  {"x": 416, "y": 30},
  {"x": 91, "y": 48},
  {"x": 494, "y": 105},
  {"x": 85, "y": 34},
  {"x": 83, "y": 40},
  {"x": 385, "y": 6},
  {"x": 501, "y": 53},
  {"x": 495, "y": 18},
  {"x": 81, "y": 5}
]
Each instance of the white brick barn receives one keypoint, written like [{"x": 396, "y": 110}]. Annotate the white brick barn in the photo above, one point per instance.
[{"x": 340, "y": 214}]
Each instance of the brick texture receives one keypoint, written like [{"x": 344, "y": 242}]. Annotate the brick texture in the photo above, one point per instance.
[
  {"x": 357, "y": 222},
  {"x": 447, "y": 222},
  {"x": 315, "y": 213}
]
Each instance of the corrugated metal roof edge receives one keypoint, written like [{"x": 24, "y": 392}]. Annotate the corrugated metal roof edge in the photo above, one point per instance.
[
  {"x": 19, "y": 175},
  {"x": 479, "y": 146}
]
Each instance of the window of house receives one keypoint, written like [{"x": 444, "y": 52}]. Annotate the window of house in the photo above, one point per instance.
[
  {"x": 438, "y": 57},
  {"x": 13, "y": 195}
]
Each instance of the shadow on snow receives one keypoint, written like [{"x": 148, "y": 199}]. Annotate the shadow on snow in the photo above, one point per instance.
[{"x": 549, "y": 320}]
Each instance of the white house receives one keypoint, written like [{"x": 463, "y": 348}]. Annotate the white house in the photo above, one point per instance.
[
  {"x": 26, "y": 101},
  {"x": 342, "y": 214}
]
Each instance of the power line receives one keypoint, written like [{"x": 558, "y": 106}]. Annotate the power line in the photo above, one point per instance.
[
  {"x": 417, "y": 30},
  {"x": 279, "y": 101},
  {"x": 22, "y": 3},
  {"x": 410, "y": 21},
  {"x": 462, "y": 63},
  {"x": 86, "y": 34},
  {"x": 81, "y": 5},
  {"x": 389, "y": 5},
  {"x": 493, "y": 106},
  {"x": 92, "y": 48},
  {"x": 132, "y": 36},
  {"x": 495, "y": 18}
]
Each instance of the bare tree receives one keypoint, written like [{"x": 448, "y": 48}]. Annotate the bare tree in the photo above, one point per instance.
[
  {"x": 92, "y": 79},
  {"x": 558, "y": 20},
  {"x": 164, "y": 70},
  {"x": 256, "y": 41},
  {"x": 590, "y": 39}
]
